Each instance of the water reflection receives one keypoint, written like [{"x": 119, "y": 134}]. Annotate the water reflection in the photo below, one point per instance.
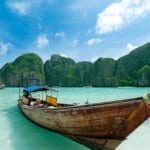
[{"x": 25, "y": 135}]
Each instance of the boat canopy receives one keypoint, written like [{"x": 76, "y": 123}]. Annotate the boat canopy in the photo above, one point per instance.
[{"x": 35, "y": 88}]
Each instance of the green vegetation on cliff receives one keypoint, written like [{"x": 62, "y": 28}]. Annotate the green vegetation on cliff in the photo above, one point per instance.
[
  {"x": 130, "y": 70},
  {"x": 102, "y": 73},
  {"x": 128, "y": 67},
  {"x": 58, "y": 71},
  {"x": 144, "y": 76},
  {"x": 25, "y": 65}
]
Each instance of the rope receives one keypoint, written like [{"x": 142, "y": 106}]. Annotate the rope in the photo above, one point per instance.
[
  {"x": 123, "y": 122},
  {"x": 93, "y": 125},
  {"x": 115, "y": 131}
]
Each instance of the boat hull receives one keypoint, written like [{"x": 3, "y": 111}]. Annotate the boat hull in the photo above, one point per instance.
[{"x": 98, "y": 126}]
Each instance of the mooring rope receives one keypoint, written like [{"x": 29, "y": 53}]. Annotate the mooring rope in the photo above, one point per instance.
[{"x": 93, "y": 126}]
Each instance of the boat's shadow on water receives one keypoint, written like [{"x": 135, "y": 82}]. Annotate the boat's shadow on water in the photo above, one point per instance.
[{"x": 25, "y": 135}]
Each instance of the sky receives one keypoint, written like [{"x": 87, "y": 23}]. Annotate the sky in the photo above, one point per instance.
[{"x": 83, "y": 30}]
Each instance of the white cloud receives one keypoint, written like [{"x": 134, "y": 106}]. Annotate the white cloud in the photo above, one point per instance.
[
  {"x": 24, "y": 7},
  {"x": 42, "y": 41},
  {"x": 60, "y": 34},
  {"x": 93, "y": 41},
  {"x": 21, "y": 7},
  {"x": 74, "y": 43},
  {"x": 121, "y": 13},
  {"x": 4, "y": 48},
  {"x": 131, "y": 47}
]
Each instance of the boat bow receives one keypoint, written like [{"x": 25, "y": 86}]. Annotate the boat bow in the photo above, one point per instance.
[{"x": 147, "y": 101}]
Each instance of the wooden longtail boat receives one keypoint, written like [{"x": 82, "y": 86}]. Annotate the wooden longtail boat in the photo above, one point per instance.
[{"x": 100, "y": 126}]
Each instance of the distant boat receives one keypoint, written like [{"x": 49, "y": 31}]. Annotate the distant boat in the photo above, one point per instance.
[
  {"x": 88, "y": 86},
  {"x": 98, "y": 126},
  {"x": 55, "y": 87},
  {"x": 2, "y": 86}
]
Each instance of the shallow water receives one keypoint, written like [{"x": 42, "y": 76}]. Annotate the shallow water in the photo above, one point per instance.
[{"x": 18, "y": 133}]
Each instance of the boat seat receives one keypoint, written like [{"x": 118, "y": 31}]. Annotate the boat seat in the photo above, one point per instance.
[
  {"x": 38, "y": 101},
  {"x": 51, "y": 100},
  {"x": 25, "y": 100}
]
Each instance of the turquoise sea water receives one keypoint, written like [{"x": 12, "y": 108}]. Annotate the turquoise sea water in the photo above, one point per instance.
[{"x": 18, "y": 133}]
